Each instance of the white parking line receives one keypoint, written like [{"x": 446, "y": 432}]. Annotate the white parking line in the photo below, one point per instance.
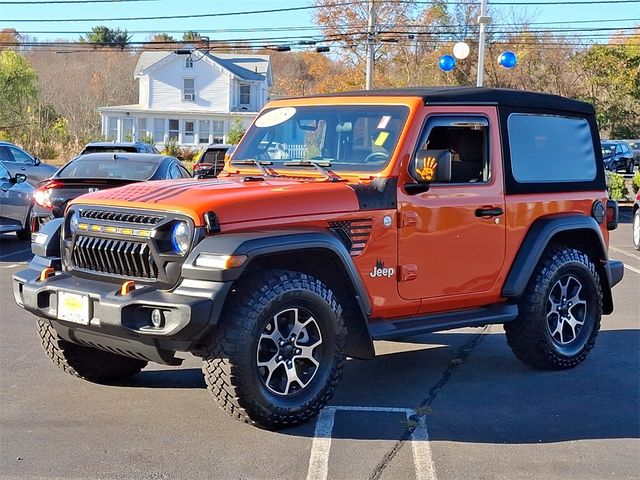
[
  {"x": 321, "y": 446},
  {"x": 632, "y": 269},
  {"x": 7, "y": 255},
  {"x": 619, "y": 250},
  {"x": 13, "y": 265}
]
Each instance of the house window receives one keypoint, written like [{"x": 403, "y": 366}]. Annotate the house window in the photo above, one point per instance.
[
  {"x": 127, "y": 129},
  {"x": 245, "y": 94},
  {"x": 142, "y": 128},
  {"x": 188, "y": 62},
  {"x": 189, "y": 131},
  {"x": 218, "y": 131},
  {"x": 158, "y": 130},
  {"x": 188, "y": 90},
  {"x": 203, "y": 131},
  {"x": 112, "y": 128},
  {"x": 174, "y": 129}
]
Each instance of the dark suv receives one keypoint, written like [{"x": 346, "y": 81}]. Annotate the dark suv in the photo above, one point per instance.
[
  {"x": 131, "y": 147},
  {"x": 617, "y": 155}
]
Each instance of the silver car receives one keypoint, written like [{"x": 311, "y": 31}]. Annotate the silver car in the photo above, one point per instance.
[
  {"x": 15, "y": 203},
  {"x": 17, "y": 160}
]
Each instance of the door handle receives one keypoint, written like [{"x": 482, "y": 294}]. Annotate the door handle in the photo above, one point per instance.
[{"x": 489, "y": 212}]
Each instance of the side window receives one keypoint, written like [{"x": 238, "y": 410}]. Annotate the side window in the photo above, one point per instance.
[
  {"x": 174, "y": 171},
  {"x": 183, "y": 172},
  {"x": 4, "y": 155},
  {"x": 20, "y": 156},
  {"x": 551, "y": 149},
  {"x": 467, "y": 138}
]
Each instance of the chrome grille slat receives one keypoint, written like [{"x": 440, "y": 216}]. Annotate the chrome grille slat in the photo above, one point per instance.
[{"x": 115, "y": 257}]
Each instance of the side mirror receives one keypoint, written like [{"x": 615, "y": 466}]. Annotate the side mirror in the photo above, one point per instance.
[
  {"x": 429, "y": 166},
  {"x": 20, "y": 178},
  {"x": 37, "y": 161}
]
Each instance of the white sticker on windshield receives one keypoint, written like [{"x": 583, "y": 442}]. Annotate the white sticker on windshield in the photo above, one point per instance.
[
  {"x": 275, "y": 117},
  {"x": 384, "y": 121}
]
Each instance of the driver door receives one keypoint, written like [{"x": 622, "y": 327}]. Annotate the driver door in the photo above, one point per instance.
[{"x": 451, "y": 238}]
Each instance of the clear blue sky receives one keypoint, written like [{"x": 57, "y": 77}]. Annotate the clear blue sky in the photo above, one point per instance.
[{"x": 304, "y": 18}]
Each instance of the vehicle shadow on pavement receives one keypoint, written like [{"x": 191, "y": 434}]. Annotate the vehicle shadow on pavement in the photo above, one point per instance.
[{"x": 490, "y": 397}]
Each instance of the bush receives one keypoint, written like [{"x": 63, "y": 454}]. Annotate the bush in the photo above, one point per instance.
[
  {"x": 616, "y": 186},
  {"x": 171, "y": 148},
  {"x": 147, "y": 138},
  {"x": 187, "y": 154},
  {"x": 635, "y": 182},
  {"x": 236, "y": 131}
]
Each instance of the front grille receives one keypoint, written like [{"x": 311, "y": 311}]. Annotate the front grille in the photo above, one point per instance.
[
  {"x": 116, "y": 257},
  {"x": 358, "y": 232},
  {"x": 121, "y": 217}
]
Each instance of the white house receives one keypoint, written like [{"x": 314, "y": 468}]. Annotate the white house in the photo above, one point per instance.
[{"x": 190, "y": 98}]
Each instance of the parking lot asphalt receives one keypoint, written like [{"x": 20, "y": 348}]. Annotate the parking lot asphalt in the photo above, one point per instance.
[{"x": 487, "y": 415}]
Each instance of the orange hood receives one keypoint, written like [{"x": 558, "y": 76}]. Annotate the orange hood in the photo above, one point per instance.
[{"x": 232, "y": 199}]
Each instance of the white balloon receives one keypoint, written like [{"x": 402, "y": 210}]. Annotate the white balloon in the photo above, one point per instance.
[{"x": 461, "y": 50}]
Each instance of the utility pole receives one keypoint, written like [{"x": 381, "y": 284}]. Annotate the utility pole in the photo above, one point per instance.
[
  {"x": 370, "y": 45},
  {"x": 483, "y": 20}
]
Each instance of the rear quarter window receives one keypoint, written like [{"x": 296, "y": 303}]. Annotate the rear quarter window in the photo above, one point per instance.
[{"x": 548, "y": 149}]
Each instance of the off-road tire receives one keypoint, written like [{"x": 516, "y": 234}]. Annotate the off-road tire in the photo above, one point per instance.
[
  {"x": 636, "y": 229},
  {"x": 529, "y": 336},
  {"x": 87, "y": 363},
  {"x": 230, "y": 366}
]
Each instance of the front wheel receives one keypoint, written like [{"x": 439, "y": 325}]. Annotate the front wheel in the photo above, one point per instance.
[
  {"x": 636, "y": 229},
  {"x": 278, "y": 354},
  {"x": 87, "y": 363},
  {"x": 560, "y": 312}
]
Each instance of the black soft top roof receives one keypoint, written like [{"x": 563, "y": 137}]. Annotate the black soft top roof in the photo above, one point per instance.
[{"x": 479, "y": 96}]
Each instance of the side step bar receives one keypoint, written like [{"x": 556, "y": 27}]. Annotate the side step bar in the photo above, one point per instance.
[{"x": 476, "y": 317}]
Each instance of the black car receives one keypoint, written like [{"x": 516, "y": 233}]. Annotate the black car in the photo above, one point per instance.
[
  {"x": 16, "y": 160},
  {"x": 131, "y": 147},
  {"x": 210, "y": 160},
  {"x": 617, "y": 155},
  {"x": 98, "y": 171}
]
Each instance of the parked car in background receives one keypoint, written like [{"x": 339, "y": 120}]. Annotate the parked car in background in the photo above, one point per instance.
[
  {"x": 99, "y": 171},
  {"x": 635, "y": 148},
  {"x": 131, "y": 147},
  {"x": 15, "y": 202},
  {"x": 16, "y": 160},
  {"x": 617, "y": 155},
  {"x": 636, "y": 222},
  {"x": 210, "y": 160}
]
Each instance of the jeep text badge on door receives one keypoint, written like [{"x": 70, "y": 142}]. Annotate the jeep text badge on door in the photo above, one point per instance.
[{"x": 381, "y": 271}]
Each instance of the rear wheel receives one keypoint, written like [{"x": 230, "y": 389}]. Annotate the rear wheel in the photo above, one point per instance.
[
  {"x": 85, "y": 362},
  {"x": 630, "y": 166},
  {"x": 559, "y": 312},
  {"x": 278, "y": 354}
]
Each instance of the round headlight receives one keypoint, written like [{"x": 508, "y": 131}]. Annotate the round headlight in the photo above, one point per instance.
[
  {"x": 181, "y": 237},
  {"x": 73, "y": 223}
]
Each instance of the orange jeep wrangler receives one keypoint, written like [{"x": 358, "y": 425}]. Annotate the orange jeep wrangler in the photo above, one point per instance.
[{"x": 339, "y": 220}]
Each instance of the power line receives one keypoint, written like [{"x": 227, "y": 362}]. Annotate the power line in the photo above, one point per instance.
[
  {"x": 310, "y": 7},
  {"x": 319, "y": 28},
  {"x": 68, "y": 2}
]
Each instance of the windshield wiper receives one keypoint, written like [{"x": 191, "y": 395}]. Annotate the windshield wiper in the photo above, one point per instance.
[
  {"x": 260, "y": 164},
  {"x": 321, "y": 167}
]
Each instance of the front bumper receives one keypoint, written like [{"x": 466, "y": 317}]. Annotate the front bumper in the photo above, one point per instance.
[{"x": 122, "y": 323}]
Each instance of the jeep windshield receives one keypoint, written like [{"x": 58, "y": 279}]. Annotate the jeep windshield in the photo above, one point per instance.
[{"x": 349, "y": 138}]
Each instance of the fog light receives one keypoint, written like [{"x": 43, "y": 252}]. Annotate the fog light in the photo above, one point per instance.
[{"x": 157, "y": 318}]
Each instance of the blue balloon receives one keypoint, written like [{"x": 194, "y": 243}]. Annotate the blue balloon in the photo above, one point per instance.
[
  {"x": 508, "y": 59},
  {"x": 447, "y": 63}
]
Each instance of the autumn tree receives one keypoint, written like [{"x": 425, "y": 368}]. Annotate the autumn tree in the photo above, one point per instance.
[{"x": 191, "y": 36}]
